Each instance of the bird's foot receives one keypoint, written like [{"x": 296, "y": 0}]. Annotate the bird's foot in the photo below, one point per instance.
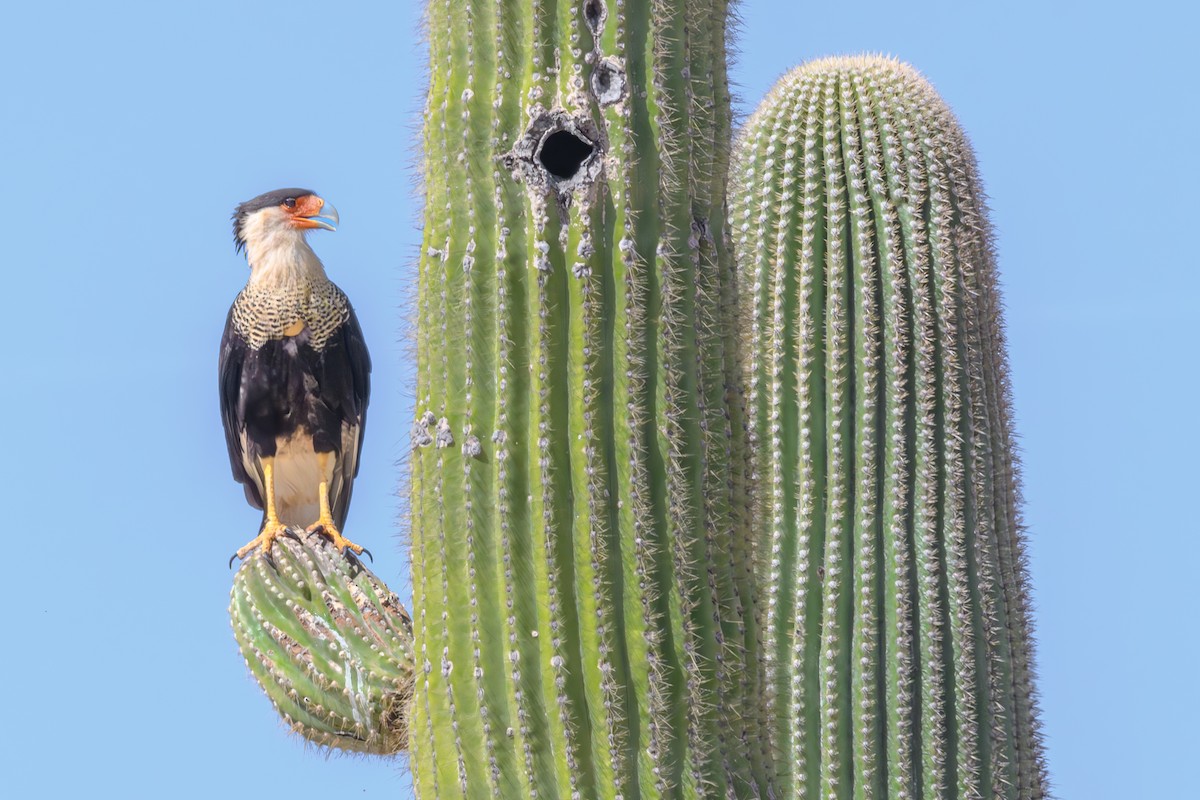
[
  {"x": 270, "y": 532},
  {"x": 327, "y": 528}
]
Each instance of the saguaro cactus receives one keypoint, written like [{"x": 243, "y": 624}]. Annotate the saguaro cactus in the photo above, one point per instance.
[
  {"x": 582, "y": 574},
  {"x": 896, "y": 639},
  {"x": 618, "y": 593}
]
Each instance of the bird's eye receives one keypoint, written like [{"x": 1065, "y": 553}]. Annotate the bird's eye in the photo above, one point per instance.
[{"x": 290, "y": 202}]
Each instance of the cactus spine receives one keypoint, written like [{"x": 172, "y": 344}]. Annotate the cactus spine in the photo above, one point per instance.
[
  {"x": 897, "y": 635},
  {"x": 582, "y": 567},
  {"x": 327, "y": 641}
]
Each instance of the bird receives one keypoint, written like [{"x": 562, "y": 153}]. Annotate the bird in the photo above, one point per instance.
[{"x": 294, "y": 375}]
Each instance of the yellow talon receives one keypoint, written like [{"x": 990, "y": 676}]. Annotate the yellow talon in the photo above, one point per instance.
[
  {"x": 325, "y": 523},
  {"x": 272, "y": 528},
  {"x": 326, "y": 526},
  {"x": 271, "y": 531}
]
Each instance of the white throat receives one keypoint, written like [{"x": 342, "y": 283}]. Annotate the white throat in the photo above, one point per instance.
[{"x": 280, "y": 256}]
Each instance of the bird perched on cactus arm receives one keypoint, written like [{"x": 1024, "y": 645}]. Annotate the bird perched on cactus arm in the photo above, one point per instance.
[{"x": 294, "y": 374}]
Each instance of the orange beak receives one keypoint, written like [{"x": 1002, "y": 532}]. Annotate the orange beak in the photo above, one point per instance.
[{"x": 313, "y": 212}]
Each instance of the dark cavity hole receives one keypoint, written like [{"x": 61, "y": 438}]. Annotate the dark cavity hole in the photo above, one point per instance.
[
  {"x": 563, "y": 153},
  {"x": 593, "y": 13},
  {"x": 603, "y": 80}
]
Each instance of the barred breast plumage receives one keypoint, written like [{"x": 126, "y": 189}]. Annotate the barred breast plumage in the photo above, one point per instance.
[{"x": 263, "y": 313}]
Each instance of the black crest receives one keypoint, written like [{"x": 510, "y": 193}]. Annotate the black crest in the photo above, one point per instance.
[{"x": 265, "y": 200}]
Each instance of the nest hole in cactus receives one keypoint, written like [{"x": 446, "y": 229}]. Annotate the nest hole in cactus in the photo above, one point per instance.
[
  {"x": 608, "y": 81},
  {"x": 558, "y": 153},
  {"x": 562, "y": 154},
  {"x": 594, "y": 13}
]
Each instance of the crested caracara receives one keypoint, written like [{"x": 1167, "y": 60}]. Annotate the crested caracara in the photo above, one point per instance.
[{"x": 294, "y": 374}]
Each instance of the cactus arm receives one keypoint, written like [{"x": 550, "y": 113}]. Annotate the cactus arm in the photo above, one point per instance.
[
  {"x": 328, "y": 643},
  {"x": 903, "y": 552}
]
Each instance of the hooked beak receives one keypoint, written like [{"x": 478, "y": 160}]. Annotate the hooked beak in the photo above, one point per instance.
[{"x": 314, "y": 212}]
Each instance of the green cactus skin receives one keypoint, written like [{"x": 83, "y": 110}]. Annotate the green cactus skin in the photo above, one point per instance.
[
  {"x": 582, "y": 564},
  {"x": 897, "y": 633},
  {"x": 327, "y": 641}
]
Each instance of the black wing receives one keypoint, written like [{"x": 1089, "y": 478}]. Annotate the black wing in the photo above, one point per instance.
[
  {"x": 229, "y": 381},
  {"x": 347, "y": 387}
]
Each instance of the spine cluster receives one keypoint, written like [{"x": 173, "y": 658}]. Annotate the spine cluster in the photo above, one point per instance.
[
  {"x": 582, "y": 563},
  {"x": 896, "y": 638}
]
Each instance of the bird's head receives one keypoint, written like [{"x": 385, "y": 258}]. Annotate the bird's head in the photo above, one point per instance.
[{"x": 281, "y": 215}]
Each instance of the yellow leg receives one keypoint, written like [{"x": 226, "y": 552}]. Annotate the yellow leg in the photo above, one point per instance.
[
  {"x": 272, "y": 528},
  {"x": 325, "y": 523}
]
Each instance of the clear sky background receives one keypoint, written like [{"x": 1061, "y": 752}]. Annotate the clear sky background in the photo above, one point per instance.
[{"x": 130, "y": 131}]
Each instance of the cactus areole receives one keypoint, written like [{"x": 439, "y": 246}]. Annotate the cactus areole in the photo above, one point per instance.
[
  {"x": 582, "y": 567},
  {"x": 897, "y": 627}
]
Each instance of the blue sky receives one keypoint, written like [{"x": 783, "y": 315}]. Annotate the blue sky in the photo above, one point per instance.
[{"x": 131, "y": 130}]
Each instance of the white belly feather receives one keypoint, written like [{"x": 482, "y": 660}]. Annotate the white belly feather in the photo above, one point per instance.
[{"x": 297, "y": 479}]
